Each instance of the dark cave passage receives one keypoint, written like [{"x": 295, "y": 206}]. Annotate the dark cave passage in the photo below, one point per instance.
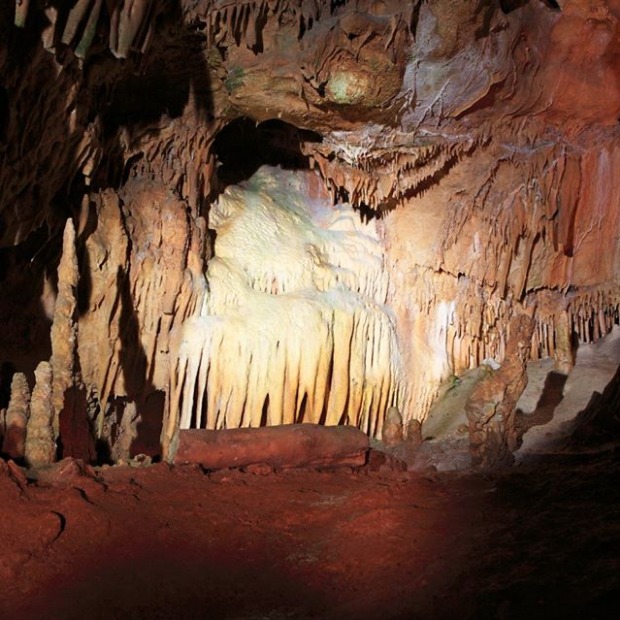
[{"x": 243, "y": 146}]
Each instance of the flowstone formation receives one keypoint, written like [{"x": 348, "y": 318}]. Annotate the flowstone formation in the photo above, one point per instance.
[
  {"x": 295, "y": 327},
  {"x": 293, "y": 210}
]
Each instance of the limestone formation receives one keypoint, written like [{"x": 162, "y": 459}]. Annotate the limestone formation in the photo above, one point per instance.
[
  {"x": 125, "y": 432},
  {"x": 63, "y": 331},
  {"x": 145, "y": 277},
  {"x": 491, "y": 405},
  {"x": 393, "y": 432},
  {"x": 130, "y": 24},
  {"x": 40, "y": 444},
  {"x": 295, "y": 328},
  {"x": 17, "y": 414},
  {"x": 446, "y": 166},
  {"x": 412, "y": 432}
]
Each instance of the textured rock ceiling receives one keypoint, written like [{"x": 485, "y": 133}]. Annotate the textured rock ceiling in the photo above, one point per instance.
[{"x": 474, "y": 143}]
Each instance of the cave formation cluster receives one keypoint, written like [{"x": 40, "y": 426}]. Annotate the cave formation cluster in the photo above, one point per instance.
[{"x": 226, "y": 213}]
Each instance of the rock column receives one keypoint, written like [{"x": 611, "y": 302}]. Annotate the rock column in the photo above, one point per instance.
[{"x": 491, "y": 405}]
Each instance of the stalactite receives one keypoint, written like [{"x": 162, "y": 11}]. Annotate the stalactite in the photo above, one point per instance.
[
  {"x": 90, "y": 30},
  {"x": 74, "y": 19},
  {"x": 130, "y": 24},
  {"x": 476, "y": 328},
  {"x": 383, "y": 176},
  {"x": 17, "y": 415},
  {"x": 64, "y": 328},
  {"x": 181, "y": 157},
  {"x": 21, "y": 12},
  {"x": 128, "y": 21},
  {"x": 40, "y": 444},
  {"x": 240, "y": 362}
]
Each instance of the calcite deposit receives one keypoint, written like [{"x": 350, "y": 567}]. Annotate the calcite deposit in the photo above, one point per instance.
[
  {"x": 41, "y": 445},
  {"x": 64, "y": 330},
  {"x": 16, "y": 419},
  {"x": 295, "y": 327},
  {"x": 235, "y": 213},
  {"x": 491, "y": 404}
]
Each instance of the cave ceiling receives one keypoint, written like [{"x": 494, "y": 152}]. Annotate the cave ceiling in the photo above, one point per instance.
[
  {"x": 478, "y": 139},
  {"x": 398, "y": 92}
]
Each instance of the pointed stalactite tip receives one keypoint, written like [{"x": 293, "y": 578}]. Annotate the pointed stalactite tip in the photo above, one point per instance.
[{"x": 21, "y": 12}]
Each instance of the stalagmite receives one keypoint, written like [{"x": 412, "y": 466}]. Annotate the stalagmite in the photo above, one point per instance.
[
  {"x": 17, "y": 415},
  {"x": 64, "y": 330},
  {"x": 392, "y": 433},
  {"x": 491, "y": 405},
  {"x": 40, "y": 444},
  {"x": 126, "y": 432},
  {"x": 564, "y": 355}
]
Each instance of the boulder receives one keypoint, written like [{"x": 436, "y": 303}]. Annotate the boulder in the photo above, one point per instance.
[{"x": 281, "y": 447}]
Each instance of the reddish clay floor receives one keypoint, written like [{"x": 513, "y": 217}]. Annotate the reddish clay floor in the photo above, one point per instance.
[{"x": 162, "y": 542}]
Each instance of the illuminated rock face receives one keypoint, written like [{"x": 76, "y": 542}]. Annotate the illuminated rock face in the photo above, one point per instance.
[
  {"x": 296, "y": 327},
  {"x": 449, "y": 166}
]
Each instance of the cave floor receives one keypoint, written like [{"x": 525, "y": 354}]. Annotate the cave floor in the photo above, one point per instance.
[{"x": 162, "y": 542}]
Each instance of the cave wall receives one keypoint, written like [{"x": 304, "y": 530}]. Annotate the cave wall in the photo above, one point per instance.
[{"x": 480, "y": 138}]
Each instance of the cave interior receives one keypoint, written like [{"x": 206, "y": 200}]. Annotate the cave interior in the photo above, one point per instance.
[{"x": 373, "y": 240}]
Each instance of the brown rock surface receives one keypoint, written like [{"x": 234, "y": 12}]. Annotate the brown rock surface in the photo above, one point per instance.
[
  {"x": 282, "y": 447},
  {"x": 491, "y": 404},
  {"x": 157, "y": 541}
]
